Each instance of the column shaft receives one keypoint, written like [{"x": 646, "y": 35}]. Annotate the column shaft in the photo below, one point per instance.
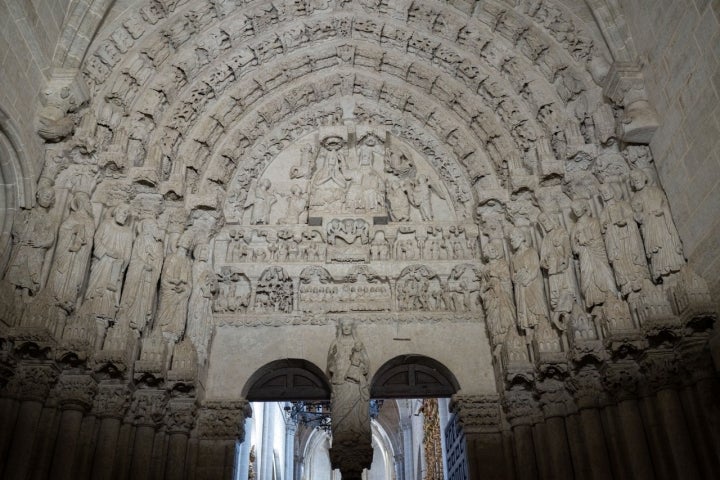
[
  {"x": 21, "y": 449},
  {"x": 525, "y": 452},
  {"x": 142, "y": 452},
  {"x": 66, "y": 446},
  {"x": 104, "y": 458},
  {"x": 594, "y": 440},
  {"x": 637, "y": 455},
  {"x": 176, "y": 456},
  {"x": 673, "y": 420}
]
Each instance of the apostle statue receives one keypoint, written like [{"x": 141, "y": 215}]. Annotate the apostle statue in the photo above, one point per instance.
[
  {"x": 497, "y": 295},
  {"x": 529, "y": 289},
  {"x": 556, "y": 259},
  {"x": 175, "y": 289},
  {"x": 75, "y": 241},
  {"x": 596, "y": 278},
  {"x": 261, "y": 202},
  {"x": 662, "y": 243},
  {"x": 205, "y": 289},
  {"x": 623, "y": 242}
]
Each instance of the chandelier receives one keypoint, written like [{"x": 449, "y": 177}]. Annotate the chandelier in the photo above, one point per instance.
[{"x": 316, "y": 414}]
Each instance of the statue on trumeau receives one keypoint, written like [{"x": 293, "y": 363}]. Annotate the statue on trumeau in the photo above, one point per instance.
[
  {"x": 662, "y": 243},
  {"x": 31, "y": 241},
  {"x": 175, "y": 289},
  {"x": 348, "y": 367},
  {"x": 138, "y": 295},
  {"x": 622, "y": 241},
  {"x": 75, "y": 241},
  {"x": 111, "y": 255},
  {"x": 596, "y": 278}
]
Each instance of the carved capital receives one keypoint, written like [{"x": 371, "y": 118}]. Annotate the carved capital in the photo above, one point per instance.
[
  {"x": 148, "y": 407},
  {"x": 621, "y": 379},
  {"x": 180, "y": 416},
  {"x": 111, "y": 401},
  {"x": 555, "y": 400},
  {"x": 477, "y": 413},
  {"x": 660, "y": 371},
  {"x": 587, "y": 387},
  {"x": 223, "y": 420},
  {"x": 521, "y": 407},
  {"x": 32, "y": 382},
  {"x": 75, "y": 391}
]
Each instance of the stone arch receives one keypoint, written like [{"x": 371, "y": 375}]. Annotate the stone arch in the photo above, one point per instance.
[
  {"x": 287, "y": 379},
  {"x": 413, "y": 376}
]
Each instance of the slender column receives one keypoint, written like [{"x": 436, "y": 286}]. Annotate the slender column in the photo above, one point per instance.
[
  {"x": 522, "y": 412},
  {"x": 86, "y": 447},
  {"x": 123, "y": 456},
  {"x": 75, "y": 393},
  {"x": 244, "y": 454},
  {"x": 554, "y": 400},
  {"x": 179, "y": 421},
  {"x": 31, "y": 386},
  {"x": 479, "y": 417},
  {"x": 589, "y": 393},
  {"x": 147, "y": 410},
  {"x": 219, "y": 427},
  {"x": 8, "y": 417},
  {"x": 621, "y": 380},
  {"x": 399, "y": 463},
  {"x": 110, "y": 406},
  {"x": 45, "y": 437},
  {"x": 406, "y": 429},
  {"x": 290, "y": 429},
  {"x": 266, "y": 453}
]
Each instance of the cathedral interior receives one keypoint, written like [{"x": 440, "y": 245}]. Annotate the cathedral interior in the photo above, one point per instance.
[{"x": 389, "y": 239}]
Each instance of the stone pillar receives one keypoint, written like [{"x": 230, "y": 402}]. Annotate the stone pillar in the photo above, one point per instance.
[
  {"x": 406, "y": 429},
  {"x": 244, "y": 454},
  {"x": 219, "y": 426},
  {"x": 660, "y": 375},
  {"x": 399, "y": 460},
  {"x": 30, "y": 386},
  {"x": 148, "y": 409},
  {"x": 479, "y": 416},
  {"x": 179, "y": 422},
  {"x": 621, "y": 380},
  {"x": 111, "y": 403},
  {"x": 266, "y": 451},
  {"x": 75, "y": 394},
  {"x": 290, "y": 429},
  {"x": 589, "y": 394},
  {"x": 522, "y": 411},
  {"x": 8, "y": 416},
  {"x": 554, "y": 401}
]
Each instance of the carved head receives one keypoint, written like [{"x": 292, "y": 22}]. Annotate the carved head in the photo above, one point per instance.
[
  {"x": 492, "y": 250},
  {"x": 346, "y": 327},
  {"x": 202, "y": 252},
  {"x": 264, "y": 184},
  {"x": 547, "y": 222},
  {"x": 579, "y": 208},
  {"x": 121, "y": 214},
  {"x": 517, "y": 238},
  {"x": 638, "y": 180},
  {"x": 45, "y": 196}
]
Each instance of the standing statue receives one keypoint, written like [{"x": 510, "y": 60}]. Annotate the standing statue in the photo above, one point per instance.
[
  {"x": 652, "y": 212},
  {"x": 397, "y": 200},
  {"x": 261, "y": 202},
  {"x": 111, "y": 254},
  {"x": 297, "y": 207},
  {"x": 421, "y": 196},
  {"x": 350, "y": 399},
  {"x": 138, "y": 296},
  {"x": 175, "y": 288},
  {"x": 556, "y": 259},
  {"x": 75, "y": 241},
  {"x": 366, "y": 191},
  {"x": 31, "y": 241},
  {"x": 497, "y": 296},
  {"x": 329, "y": 182},
  {"x": 529, "y": 290},
  {"x": 205, "y": 289},
  {"x": 623, "y": 242},
  {"x": 596, "y": 278}
]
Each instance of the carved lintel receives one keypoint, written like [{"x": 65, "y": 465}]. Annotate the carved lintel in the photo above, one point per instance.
[
  {"x": 477, "y": 413},
  {"x": 32, "y": 381},
  {"x": 111, "y": 401},
  {"x": 223, "y": 420},
  {"x": 625, "y": 85},
  {"x": 621, "y": 379}
]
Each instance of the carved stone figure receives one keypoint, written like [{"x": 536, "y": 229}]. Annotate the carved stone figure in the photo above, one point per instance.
[
  {"x": 366, "y": 190},
  {"x": 175, "y": 289},
  {"x": 347, "y": 366},
  {"x": 140, "y": 290},
  {"x": 497, "y": 295},
  {"x": 111, "y": 254},
  {"x": 303, "y": 168},
  {"x": 261, "y": 202},
  {"x": 72, "y": 254},
  {"x": 380, "y": 247},
  {"x": 200, "y": 307},
  {"x": 596, "y": 278},
  {"x": 234, "y": 291},
  {"x": 556, "y": 259},
  {"x": 397, "y": 200},
  {"x": 297, "y": 207},
  {"x": 421, "y": 196},
  {"x": 414, "y": 288},
  {"x": 662, "y": 243},
  {"x": 31, "y": 241},
  {"x": 329, "y": 182},
  {"x": 623, "y": 242},
  {"x": 529, "y": 290},
  {"x": 274, "y": 292}
]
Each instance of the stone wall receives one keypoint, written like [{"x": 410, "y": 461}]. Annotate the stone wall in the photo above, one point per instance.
[
  {"x": 29, "y": 31},
  {"x": 679, "y": 42}
]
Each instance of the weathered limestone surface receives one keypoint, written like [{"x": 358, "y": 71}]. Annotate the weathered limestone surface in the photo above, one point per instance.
[{"x": 227, "y": 184}]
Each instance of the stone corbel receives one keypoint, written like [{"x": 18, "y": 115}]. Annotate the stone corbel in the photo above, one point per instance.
[
  {"x": 625, "y": 85},
  {"x": 66, "y": 92}
]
